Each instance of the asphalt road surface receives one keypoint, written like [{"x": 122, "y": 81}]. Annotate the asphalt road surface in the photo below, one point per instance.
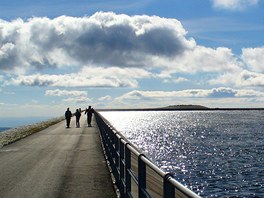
[{"x": 56, "y": 162}]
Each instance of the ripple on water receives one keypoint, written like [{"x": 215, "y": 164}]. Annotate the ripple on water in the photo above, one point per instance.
[{"x": 213, "y": 153}]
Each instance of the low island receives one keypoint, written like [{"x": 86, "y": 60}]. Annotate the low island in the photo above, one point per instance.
[{"x": 182, "y": 107}]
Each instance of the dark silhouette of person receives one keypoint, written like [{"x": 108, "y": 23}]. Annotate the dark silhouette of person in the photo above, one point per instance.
[
  {"x": 68, "y": 115},
  {"x": 89, "y": 113},
  {"x": 78, "y": 115}
]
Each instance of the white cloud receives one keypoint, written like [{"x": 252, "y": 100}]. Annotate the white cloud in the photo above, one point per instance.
[
  {"x": 254, "y": 58},
  {"x": 73, "y": 97},
  {"x": 201, "y": 59},
  {"x": 58, "y": 92},
  {"x": 104, "y": 38},
  {"x": 234, "y": 4},
  {"x": 115, "y": 50},
  {"x": 69, "y": 80},
  {"x": 251, "y": 79},
  {"x": 86, "y": 77},
  {"x": 78, "y": 100},
  {"x": 1, "y": 77},
  {"x": 105, "y": 98},
  {"x": 243, "y": 78},
  {"x": 221, "y": 92},
  {"x": 115, "y": 72},
  {"x": 216, "y": 97},
  {"x": 176, "y": 80}
]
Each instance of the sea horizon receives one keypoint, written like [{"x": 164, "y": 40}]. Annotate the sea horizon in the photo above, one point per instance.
[
  {"x": 2, "y": 129},
  {"x": 13, "y": 122}
]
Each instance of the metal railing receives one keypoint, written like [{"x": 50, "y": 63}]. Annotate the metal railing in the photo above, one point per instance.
[{"x": 134, "y": 174}]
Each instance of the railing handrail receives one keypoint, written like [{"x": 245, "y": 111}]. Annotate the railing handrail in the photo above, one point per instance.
[{"x": 118, "y": 151}]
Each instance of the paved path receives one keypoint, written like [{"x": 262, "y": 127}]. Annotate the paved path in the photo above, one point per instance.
[{"x": 56, "y": 162}]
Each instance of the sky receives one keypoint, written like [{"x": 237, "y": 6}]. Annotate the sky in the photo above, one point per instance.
[{"x": 56, "y": 54}]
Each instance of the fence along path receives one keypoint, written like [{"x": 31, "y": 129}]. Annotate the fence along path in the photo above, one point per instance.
[{"x": 135, "y": 175}]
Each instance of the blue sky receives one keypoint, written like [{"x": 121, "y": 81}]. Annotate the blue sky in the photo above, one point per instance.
[{"x": 127, "y": 54}]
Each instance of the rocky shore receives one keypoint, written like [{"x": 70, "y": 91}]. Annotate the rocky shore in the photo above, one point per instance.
[{"x": 15, "y": 134}]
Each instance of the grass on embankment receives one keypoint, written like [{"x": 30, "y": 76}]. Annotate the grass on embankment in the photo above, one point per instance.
[{"x": 15, "y": 134}]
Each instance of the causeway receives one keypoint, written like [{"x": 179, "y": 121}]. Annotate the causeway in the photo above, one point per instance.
[{"x": 56, "y": 162}]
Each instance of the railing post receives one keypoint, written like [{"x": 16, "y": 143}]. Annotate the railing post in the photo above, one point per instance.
[
  {"x": 122, "y": 168},
  {"x": 127, "y": 167},
  {"x": 168, "y": 188},
  {"x": 117, "y": 158},
  {"x": 141, "y": 177}
]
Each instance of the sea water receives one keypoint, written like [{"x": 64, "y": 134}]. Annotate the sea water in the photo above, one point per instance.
[
  {"x": 4, "y": 129},
  {"x": 8, "y": 123},
  {"x": 213, "y": 153}
]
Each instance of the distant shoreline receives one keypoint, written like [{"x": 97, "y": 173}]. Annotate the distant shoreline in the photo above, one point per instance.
[
  {"x": 184, "y": 109},
  {"x": 211, "y": 109}
]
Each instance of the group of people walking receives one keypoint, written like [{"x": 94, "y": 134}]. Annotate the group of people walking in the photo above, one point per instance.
[{"x": 78, "y": 114}]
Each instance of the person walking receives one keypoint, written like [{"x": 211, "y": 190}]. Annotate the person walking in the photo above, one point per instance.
[
  {"x": 78, "y": 115},
  {"x": 89, "y": 113},
  {"x": 68, "y": 115}
]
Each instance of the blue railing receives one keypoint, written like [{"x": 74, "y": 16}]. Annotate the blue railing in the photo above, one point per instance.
[{"x": 134, "y": 174}]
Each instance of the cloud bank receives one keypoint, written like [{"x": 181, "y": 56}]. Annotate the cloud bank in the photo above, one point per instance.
[
  {"x": 86, "y": 77},
  {"x": 109, "y": 47},
  {"x": 214, "y": 97},
  {"x": 58, "y": 92},
  {"x": 103, "y": 38},
  {"x": 111, "y": 50},
  {"x": 116, "y": 50},
  {"x": 221, "y": 92}
]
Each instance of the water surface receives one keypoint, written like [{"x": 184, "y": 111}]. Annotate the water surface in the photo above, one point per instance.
[
  {"x": 4, "y": 129},
  {"x": 214, "y": 153}
]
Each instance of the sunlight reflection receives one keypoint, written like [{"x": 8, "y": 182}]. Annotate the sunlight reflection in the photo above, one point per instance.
[{"x": 204, "y": 150}]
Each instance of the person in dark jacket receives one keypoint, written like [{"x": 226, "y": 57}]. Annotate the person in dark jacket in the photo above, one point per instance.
[
  {"x": 68, "y": 115},
  {"x": 78, "y": 115},
  {"x": 89, "y": 113}
]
